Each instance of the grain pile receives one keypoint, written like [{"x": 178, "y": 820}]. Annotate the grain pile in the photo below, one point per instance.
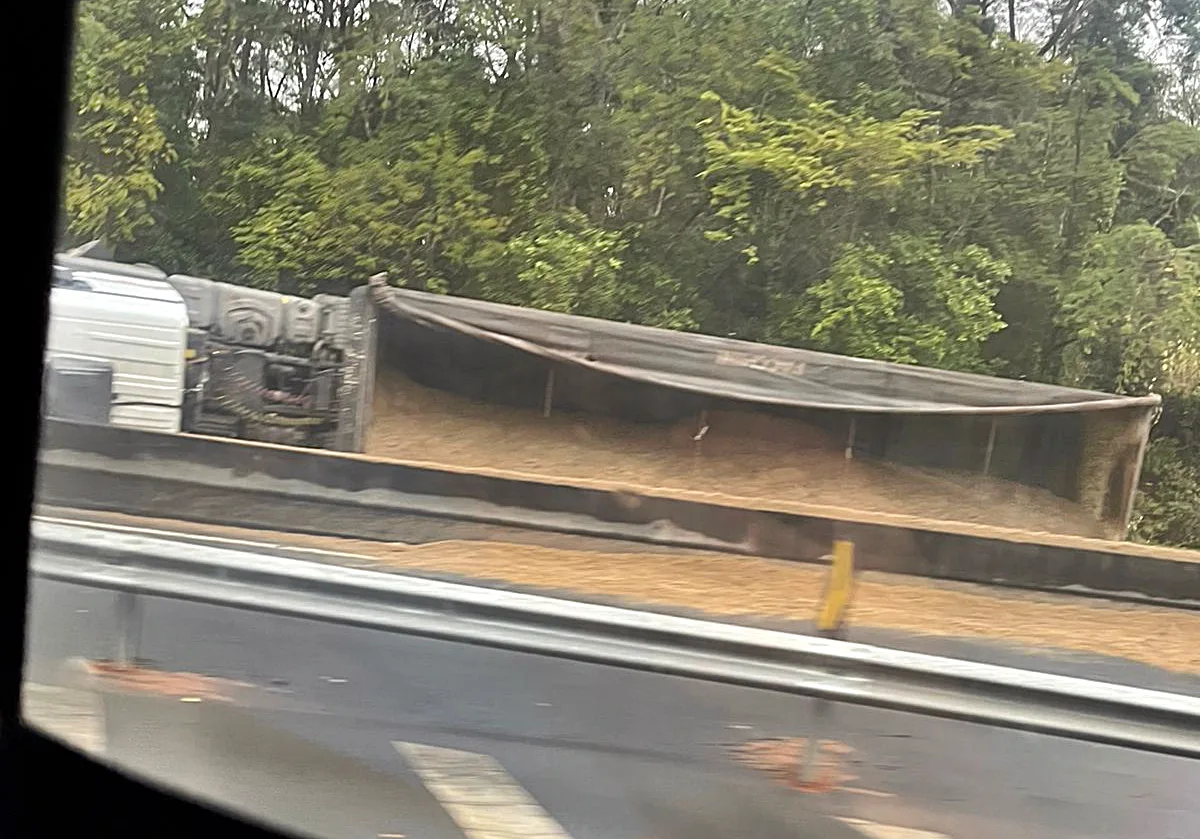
[
  {"x": 766, "y": 588},
  {"x": 775, "y": 589},
  {"x": 750, "y": 457}
]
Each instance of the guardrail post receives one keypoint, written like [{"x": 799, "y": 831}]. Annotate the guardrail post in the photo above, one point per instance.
[
  {"x": 839, "y": 589},
  {"x": 129, "y": 626},
  {"x": 831, "y": 623}
]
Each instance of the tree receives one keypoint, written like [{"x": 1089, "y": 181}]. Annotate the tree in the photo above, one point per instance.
[
  {"x": 1133, "y": 308},
  {"x": 1006, "y": 188},
  {"x": 910, "y": 302},
  {"x": 116, "y": 140}
]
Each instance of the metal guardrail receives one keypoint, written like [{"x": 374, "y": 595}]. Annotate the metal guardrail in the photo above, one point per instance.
[{"x": 136, "y": 565}]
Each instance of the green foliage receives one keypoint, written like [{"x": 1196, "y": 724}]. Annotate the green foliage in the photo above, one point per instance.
[
  {"x": 1134, "y": 303},
  {"x": 1168, "y": 503},
  {"x": 889, "y": 180},
  {"x": 116, "y": 141},
  {"x": 911, "y": 302},
  {"x": 571, "y": 267},
  {"x": 1169, "y": 508},
  {"x": 798, "y": 167},
  {"x": 408, "y": 208}
]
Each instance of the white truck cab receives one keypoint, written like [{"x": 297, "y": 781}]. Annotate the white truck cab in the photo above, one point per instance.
[{"x": 134, "y": 324}]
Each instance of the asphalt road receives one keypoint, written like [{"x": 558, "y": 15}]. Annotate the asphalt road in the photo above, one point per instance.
[{"x": 598, "y": 752}]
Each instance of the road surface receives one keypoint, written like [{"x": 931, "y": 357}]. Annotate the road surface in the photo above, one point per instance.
[{"x": 347, "y": 732}]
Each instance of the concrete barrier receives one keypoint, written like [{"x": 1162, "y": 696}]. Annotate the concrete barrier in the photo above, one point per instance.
[{"x": 280, "y": 488}]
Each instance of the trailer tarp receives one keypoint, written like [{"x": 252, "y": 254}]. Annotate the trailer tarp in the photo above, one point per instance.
[{"x": 739, "y": 370}]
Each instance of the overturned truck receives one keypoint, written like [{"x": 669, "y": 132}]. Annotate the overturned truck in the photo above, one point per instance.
[{"x": 306, "y": 372}]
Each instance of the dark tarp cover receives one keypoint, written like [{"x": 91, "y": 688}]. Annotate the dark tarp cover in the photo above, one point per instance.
[{"x": 740, "y": 370}]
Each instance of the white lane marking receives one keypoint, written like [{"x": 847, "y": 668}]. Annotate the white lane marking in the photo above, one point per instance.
[
  {"x": 479, "y": 795},
  {"x": 73, "y": 716},
  {"x": 488, "y": 803},
  {"x": 871, "y": 792},
  {"x": 885, "y": 831}
]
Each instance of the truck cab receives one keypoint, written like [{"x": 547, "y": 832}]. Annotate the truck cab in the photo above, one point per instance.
[{"x": 116, "y": 346}]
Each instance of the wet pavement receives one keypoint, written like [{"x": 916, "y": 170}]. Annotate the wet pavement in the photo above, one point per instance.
[{"x": 605, "y": 752}]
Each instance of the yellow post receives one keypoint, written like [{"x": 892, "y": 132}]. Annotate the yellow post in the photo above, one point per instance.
[
  {"x": 839, "y": 589},
  {"x": 831, "y": 619}
]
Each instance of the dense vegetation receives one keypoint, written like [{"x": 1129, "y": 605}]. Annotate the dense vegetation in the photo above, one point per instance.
[{"x": 1005, "y": 188}]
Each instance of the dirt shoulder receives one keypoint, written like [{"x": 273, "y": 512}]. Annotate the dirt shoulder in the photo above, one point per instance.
[{"x": 734, "y": 586}]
